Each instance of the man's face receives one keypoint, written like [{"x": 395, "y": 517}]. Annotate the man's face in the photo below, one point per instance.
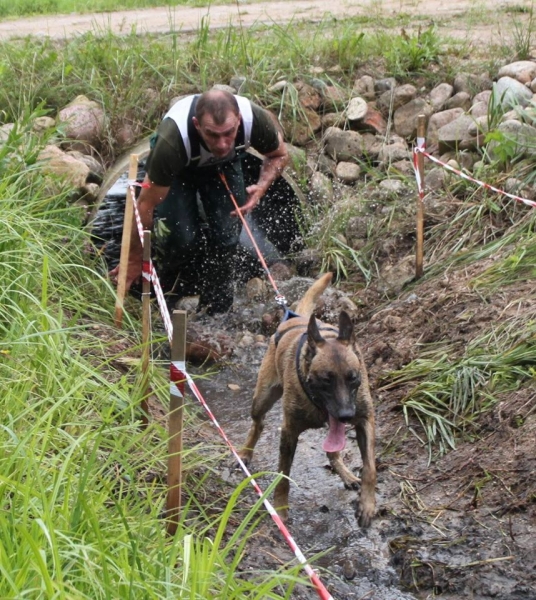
[{"x": 219, "y": 139}]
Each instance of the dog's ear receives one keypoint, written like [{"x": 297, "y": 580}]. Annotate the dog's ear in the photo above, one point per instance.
[
  {"x": 313, "y": 335},
  {"x": 346, "y": 328}
]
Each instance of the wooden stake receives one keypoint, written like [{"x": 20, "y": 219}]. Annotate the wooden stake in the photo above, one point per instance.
[
  {"x": 146, "y": 326},
  {"x": 419, "y": 252},
  {"x": 125, "y": 244},
  {"x": 178, "y": 357}
]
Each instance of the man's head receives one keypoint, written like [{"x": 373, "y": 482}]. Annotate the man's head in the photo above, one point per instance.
[{"x": 217, "y": 118}]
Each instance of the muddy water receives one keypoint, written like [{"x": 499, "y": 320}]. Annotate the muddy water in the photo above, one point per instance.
[{"x": 355, "y": 562}]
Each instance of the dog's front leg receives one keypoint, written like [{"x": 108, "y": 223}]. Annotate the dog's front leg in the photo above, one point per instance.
[
  {"x": 367, "y": 501},
  {"x": 287, "y": 449}
]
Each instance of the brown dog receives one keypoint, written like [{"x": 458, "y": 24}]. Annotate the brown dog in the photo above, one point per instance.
[{"x": 319, "y": 372}]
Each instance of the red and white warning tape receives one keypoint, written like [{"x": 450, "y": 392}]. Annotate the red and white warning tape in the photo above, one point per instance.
[
  {"x": 178, "y": 375},
  {"x": 420, "y": 148}
]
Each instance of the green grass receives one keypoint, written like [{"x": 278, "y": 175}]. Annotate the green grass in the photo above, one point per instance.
[
  {"x": 80, "y": 480},
  {"x": 23, "y": 8}
]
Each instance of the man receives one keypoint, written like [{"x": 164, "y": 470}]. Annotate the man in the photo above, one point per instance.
[{"x": 199, "y": 138}]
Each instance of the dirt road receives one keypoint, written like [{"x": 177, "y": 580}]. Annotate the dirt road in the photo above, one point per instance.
[{"x": 165, "y": 20}]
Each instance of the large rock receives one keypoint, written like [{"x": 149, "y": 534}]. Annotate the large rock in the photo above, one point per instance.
[
  {"x": 356, "y": 110},
  {"x": 440, "y": 94},
  {"x": 405, "y": 118},
  {"x": 348, "y": 172},
  {"x": 67, "y": 169},
  {"x": 343, "y": 145},
  {"x": 508, "y": 92},
  {"x": 440, "y": 119},
  {"x": 364, "y": 86},
  {"x": 455, "y": 135},
  {"x": 84, "y": 122},
  {"x": 523, "y": 71},
  {"x": 393, "y": 99},
  {"x": 308, "y": 96}
]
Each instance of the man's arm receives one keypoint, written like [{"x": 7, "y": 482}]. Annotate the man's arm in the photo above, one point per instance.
[
  {"x": 273, "y": 164},
  {"x": 150, "y": 197}
]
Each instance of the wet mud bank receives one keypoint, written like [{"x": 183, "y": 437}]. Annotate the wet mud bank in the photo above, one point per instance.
[{"x": 462, "y": 526}]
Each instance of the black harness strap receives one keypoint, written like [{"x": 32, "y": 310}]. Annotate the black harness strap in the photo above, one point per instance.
[{"x": 277, "y": 338}]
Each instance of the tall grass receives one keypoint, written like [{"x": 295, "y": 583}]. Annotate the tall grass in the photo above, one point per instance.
[{"x": 80, "y": 481}]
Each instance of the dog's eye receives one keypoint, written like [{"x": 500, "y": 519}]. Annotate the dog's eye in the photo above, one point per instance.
[
  {"x": 326, "y": 378},
  {"x": 353, "y": 378}
]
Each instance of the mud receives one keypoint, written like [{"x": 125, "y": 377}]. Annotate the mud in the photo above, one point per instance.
[{"x": 460, "y": 527}]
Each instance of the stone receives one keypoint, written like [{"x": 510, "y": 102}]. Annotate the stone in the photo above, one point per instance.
[
  {"x": 348, "y": 172},
  {"x": 523, "y": 71},
  {"x": 393, "y": 152},
  {"x": 364, "y": 86},
  {"x": 333, "y": 98},
  {"x": 459, "y": 100},
  {"x": 308, "y": 96},
  {"x": 332, "y": 120},
  {"x": 384, "y": 85},
  {"x": 394, "y": 277},
  {"x": 482, "y": 97},
  {"x": 255, "y": 289},
  {"x": 55, "y": 162},
  {"x": 439, "y": 120},
  {"x": 320, "y": 189},
  {"x": 356, "y": 109},
  {"x": 480, "y": 109},
  {"x": 440, "y": 94},
  {"x": 5, "y": 130},
  {"x": 83, "y": 121},
  {"x": 343, "y": 145},
  {"x": 393, "y": 99},
  {"x": 434, "y": 179},
  {"x": 508, "y": 92},
  {"x": 41, "y": 124},
  {"x": 238, "y": 83},
  {"x": 455, "y": 135},
  {"x": 405, "y": 118}
]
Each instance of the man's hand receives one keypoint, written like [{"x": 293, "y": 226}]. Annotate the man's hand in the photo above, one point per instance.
[
  {"x": 134, "y": 269},
  {"x": 254, "y": 194},
  {"x": 150, "y": 196},
  {"x": 272, "y": 167}
]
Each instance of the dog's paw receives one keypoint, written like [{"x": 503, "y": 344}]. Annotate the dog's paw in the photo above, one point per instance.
[
  {"x": 283, "y": 514},
  {"x": 364, "y": 513},
  {"x": 245, "y": 456},
  {"x": 352, "y": 483}
]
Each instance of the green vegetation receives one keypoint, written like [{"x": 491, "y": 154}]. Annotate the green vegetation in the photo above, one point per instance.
[
  {"x": 23, "y": 8},
  {"x": 81, "y": 482}
]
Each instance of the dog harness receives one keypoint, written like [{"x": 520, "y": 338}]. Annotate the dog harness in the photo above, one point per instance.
[
  {"x": 303, "y": 382},
  {"x": 183, "y": 112}
]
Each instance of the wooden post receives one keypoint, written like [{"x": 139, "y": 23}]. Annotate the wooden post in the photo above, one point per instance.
[
  {"x": 125, "y": 243},
  {"x": 175, "y": 426},
  {"x": 146, "y": 325},
  {"x": 419, "y": 252}
]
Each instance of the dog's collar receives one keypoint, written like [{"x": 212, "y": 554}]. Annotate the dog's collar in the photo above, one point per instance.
[{"x": 305, "y": 386}]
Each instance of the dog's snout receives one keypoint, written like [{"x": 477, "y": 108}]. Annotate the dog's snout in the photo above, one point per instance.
[{"x": 346, "y": 415}]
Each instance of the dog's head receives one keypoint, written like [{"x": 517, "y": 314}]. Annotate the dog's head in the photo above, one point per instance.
[{"x": 333, "y": 369}]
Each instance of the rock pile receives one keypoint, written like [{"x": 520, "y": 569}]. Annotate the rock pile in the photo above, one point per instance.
[{"x": 335, "y": 132}]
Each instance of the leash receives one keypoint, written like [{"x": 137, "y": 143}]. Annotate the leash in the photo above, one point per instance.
[{"x": 279, "y": 298}]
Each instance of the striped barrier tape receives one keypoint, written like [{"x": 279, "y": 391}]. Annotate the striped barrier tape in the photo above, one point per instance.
[
  {"x": 421, "y": 149},
  {"x": 178, "y": 375},
  {"x": 154, "y": 277}
]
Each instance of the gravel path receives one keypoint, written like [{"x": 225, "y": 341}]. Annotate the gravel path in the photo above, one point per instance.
[{"x": 164, "y": 20}]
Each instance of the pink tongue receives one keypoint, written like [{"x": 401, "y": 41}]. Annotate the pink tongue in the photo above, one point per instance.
[{"x": 336, "y": 439}]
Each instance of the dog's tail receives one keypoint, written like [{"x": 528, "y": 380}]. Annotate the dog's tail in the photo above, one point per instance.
[{"x": 307, "y": 304}]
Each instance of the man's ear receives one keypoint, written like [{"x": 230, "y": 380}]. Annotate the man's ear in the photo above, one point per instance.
[{"x": 196, "y": 123}]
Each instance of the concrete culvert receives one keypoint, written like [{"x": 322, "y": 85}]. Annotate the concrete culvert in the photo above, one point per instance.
[{"x": 275, "y": 223}]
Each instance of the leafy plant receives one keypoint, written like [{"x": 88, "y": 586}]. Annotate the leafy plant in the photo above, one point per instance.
[{"x": 411, "y": 53}]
